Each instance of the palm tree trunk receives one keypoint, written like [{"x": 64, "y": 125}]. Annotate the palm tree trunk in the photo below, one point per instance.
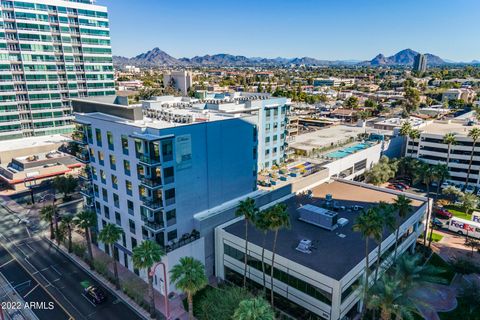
[
  {"x": 52, "y": 235},
  {"x": 378, "y": 258},
  {"x": 152, "y": 297},
  {"x": 89, "y": 247},
  {"x": 385, "y": 314},
  {"x": 190, "y": 306},
  {"x": 470, "y": 163},
  {"x": 365, "y": 292},
  {"x": 263, "y": 262},
  {"x": 69, "y": 240},
  {"x": 448, "y": 154},
  {"x": 427, "y": 224},
  {"x": 115, "y": 269},
  {"x": 246, "y": 254},
  {"x": 272, "y": 268},
  {"x": 396, "y": 243}
]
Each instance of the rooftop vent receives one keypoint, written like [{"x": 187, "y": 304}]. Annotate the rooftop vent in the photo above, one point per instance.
[
  {"x": 342, "y": 222},
  {"x": 320, "y": 217},
  {"x": 304, "y": 246}
]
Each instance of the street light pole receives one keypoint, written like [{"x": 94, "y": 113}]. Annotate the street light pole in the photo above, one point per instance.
[{"x": 165, "y": 293}]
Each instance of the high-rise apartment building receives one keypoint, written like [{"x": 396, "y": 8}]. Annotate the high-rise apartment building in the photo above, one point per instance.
[
  {"x": 420, "y": 63},
  {"x": 50, "y": 51}
]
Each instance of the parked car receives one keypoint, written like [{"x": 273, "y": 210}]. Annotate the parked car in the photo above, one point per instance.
[
  {"x": 470, "y": 189},
  {"x": 94, "y": 294},
  {"x": 404, "y": 185},
  {"x": 445, "y": 185},
  {"x": 399, "y": 186},
  {"x": 434, "y": 184},
  {"x": 442, "y": 213},
  {"x": 437, "y": 223},
  {"x": 391, "y": 186}
]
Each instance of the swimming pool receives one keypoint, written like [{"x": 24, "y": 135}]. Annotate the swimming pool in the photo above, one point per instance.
[{"x": 347, "y": 151}]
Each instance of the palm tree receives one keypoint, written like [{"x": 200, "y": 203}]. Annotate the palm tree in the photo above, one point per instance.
[
  {"x": 278, "y": 218},
  {"x": 67, "y": 225},
  {"x": 474, "y": 134},
  {"x": 449, "y": 139},
  {"x": 254, "y": 309},
  {"x": 261, "y": 223},
  {"x": 47, "y": 214},
  {"x": 403, "y": 205},
  {"x": 413, "y": 135},
  {"x": 441, "y": 174},
  {"x": 189, "y": 276},
  {"x": 388, "y": 221},
  {"x": 246, "y": 209},
  {"x": 144, "y": 257},
  {"x": 412, "y": 272},
  {"x": 109, "y": 235},
  {"x": 427, "y": 174},
  {"x": 369, "y": 224},
  {"x": 86, "y": 220},
  {"x": 404, "y": 132},
  {"x": 392, "y": 301}
]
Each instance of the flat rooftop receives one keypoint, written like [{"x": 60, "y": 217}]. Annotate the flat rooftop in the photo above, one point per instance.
[
  {"x": 332, "y": 255},
  {"x": 441, "y": 128},
  {"x": 328, "y": 136},
  {"x": 31, "y": 142}
]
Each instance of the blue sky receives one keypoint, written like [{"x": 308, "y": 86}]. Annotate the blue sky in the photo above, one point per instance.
[{"x": 323, "y": 29}]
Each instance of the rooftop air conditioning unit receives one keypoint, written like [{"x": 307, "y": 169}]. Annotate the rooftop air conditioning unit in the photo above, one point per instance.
[
  {"x": 317, "y": 216},
  {"x": 304, "y": 246}
]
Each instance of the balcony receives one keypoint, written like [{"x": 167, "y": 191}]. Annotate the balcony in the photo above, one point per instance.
[
  {"x": 85, "y": 174},
  {"x": 153, "y": 204},
  {"x": 148, "y": 160},
  {"x": 79, "y": 137},
  {"x": 151, "y": 182},
  {"x": 86, "y": 191},
  {"x": 153, "y": 223},
  {"x": 83, "y": 156}
]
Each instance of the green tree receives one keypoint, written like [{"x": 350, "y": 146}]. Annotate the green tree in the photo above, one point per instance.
[
  {"x": 413, "y": 273},
  {"x": 449, "y": 139},
  {"x": 474, "y": 134},
  {"x": 278, "y": 218},
  {"x": 382, "y": 171},
  {"x": 254, "y": 309},
  {"x": 351, "y": 102},
  {"x": 412, "y": 100},
  {"x": 427, "y": 175},
  {"x": 413, "y": 135},
  {"x": 65, "y": 185},
  {"x": 189, "y": 276},
  {"x": 369, "y": 224},
  {"x": 262, "y": 224},
  {"x": 247, "y": 209},
  {"x": 66, "y": 224},
  {"x": 144, "y": 257},
  {"x": 388, "y": 220},
  {"x": 47, "y": 214},
  {"x": 109, "y": 235},
  {"x": 403, "y": 206},
  {"x": 404, "y": 132},
  {"x": 469, "y": 301},
  {"x": 86, "y": 220},
  {"x": 220, "y": 303},
  {"x": 469, "y": 202}
]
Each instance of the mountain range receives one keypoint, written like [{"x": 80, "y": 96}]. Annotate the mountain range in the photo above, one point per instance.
[{"x": 159, "y": 58}]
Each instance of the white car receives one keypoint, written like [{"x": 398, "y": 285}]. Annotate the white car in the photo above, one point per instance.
[
  {"x": 470, "y": 189},
  {"x": 445, "y": 185}
]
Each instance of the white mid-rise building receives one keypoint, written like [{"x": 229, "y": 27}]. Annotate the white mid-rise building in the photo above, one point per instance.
[{"x": 180, "y": 80}]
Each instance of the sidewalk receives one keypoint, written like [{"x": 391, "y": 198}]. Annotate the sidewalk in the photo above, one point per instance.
[{"x": 126, "y": 276}]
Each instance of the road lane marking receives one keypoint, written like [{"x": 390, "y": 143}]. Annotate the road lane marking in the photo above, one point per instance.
[
  {"x": 30, "y": 291},
  {"x": 55, "y": 269},
  {"x": 3, "y": 265}
]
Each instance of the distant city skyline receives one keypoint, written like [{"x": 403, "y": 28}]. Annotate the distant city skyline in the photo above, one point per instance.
[{"x": 330, "y": 30}]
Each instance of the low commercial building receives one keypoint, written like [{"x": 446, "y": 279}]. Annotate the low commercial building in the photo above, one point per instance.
[
  {"x": 318, "y": 268},
  {"x": 393, "y": 124},
  {"x": 333, "y": 82},
  {"x": 465, "y": 94}
]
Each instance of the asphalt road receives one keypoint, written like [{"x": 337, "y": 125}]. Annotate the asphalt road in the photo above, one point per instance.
[{"x": 58, "y": 278}]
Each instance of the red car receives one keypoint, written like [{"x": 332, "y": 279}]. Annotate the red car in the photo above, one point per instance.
[
  {"x": 391, "y": 186},
  {"x": 442, "y": 213},
  {"x": 404, "y": 185}
]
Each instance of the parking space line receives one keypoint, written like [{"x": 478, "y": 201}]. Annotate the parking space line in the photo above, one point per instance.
[
  {"x": 55, "y": 269},
  {"x": 93, "y": 304},
  {"x": 30, "y": 291},
  {"x": 3, "y": 265}
]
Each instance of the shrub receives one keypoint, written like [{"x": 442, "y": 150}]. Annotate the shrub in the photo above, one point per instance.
[
  {"x": 465, "y": 266},
  {"x": 79, "y": 249},
  {"x": 219, "y": 303}
]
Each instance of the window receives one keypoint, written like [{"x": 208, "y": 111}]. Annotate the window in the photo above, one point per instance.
[
  {"x": 172, "y": 235},
  {"x": 131, "y": 225},
  {"x": 128, "y": 186},
  {"x": 110, "y": 140},
  {"x": 103, "y": 176},
  {"x": 130, "y": 207},
  {"x": 126, "y": 167},
  {"x": 125, "y": 145},
  {"x": 94, "y": 173},
  {"x": 118, "y": 218},
  {"x": 168, "y": 175},
  {"x": 98, "y": 136},
  {"x": 171, "y": 217},
  {"x": 101, "y": 159},
  {"x": 116, "y": 200},
  {"x": 134, "y": 242},
  {"x": 167, "y": 150},
  {"x": 95, "y": 189},
  {"x": 113, "y": 162},
  {"x": 104, "y": 194},
  {"x": 106, "y": 212},
  {"x": 114, "y": 182},
  {"x": 170, "y": 196}
]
